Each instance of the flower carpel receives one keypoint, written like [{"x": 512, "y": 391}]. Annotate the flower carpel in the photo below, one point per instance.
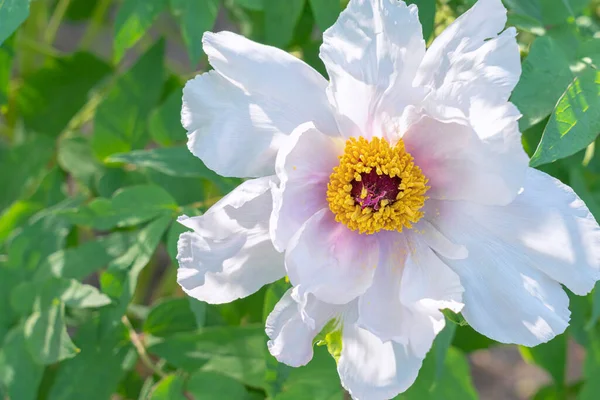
[{"x": 372, "y": 189}]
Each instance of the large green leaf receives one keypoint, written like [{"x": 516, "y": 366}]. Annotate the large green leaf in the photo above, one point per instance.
[
  {"x": 75, "y": 156},
  {"x": 20, "y": 375},
  {"x": 26, "y": 164},
  {"x": 171, "y": 387},
  {"x": 169, "y": 317},
  {"x": 575, "y": 122},
  {"x": 133, "y": 20},
  {"x": 546, "y": 75},
  {"x": 326, "y": 12},
  {"x": 317, "y": 380},
  {"x": 281, "y": 18},
  {"x": 129, "y": 206},
  {"x": 175, "y": 161},
  {"x": 165, "y": 122},
  {"x": 6, "y": 62},
  {"x": 120, "y": 123},
  {"x": 427, "y": 9},
  {"x": 195, "y": 18},
  {"x": 95, "y": 373},
  {"x": 51, "y": 96},
  {"x": 238, "y": 352},
  {"x": 12, "y": 14},
  {"x": 46, "y": 335},
  {"x": 208, "y": 385},
  {"x": 79, "y": 262},
  {"x": 120, "y": 278},
  {"x": 37, "y": 295}
]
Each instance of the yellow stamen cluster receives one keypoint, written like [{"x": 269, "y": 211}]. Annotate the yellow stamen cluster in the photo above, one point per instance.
[{"x": 360, "y": 157}]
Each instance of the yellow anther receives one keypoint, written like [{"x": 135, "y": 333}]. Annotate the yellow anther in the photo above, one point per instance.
[{"x": 361, "y": 157}]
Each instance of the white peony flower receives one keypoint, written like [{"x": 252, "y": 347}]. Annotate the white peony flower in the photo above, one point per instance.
[{"x": 395, "y": 190}]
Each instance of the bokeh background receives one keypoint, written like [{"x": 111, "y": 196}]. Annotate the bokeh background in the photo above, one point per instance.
[{"x": 94, "y": 171}]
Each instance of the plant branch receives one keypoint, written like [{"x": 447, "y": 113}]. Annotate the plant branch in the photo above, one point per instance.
[{"x": 141, "y": 350}]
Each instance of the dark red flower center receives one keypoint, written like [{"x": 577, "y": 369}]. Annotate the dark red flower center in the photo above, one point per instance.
[{"x": 373, "y": 188}]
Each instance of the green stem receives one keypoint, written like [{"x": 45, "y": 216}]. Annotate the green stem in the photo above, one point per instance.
[
  {"x": 141, "y": 350},
  {"x": 95, "y": 24},
  {"x": 55, "y": 21}
]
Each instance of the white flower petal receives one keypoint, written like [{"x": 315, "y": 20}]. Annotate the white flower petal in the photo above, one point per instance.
[
  {"x": 410, "y": 287},
  {"x": 459, "y": 51},
  {"x": 372, "y": 369},
  {"x": 459, "y": 164},
  {"x": 291, "y": 337},
  {"x": 330, "y": 261},
  {"x": 557, "y": 232},
  {"x": 238, "y": 115},
  {"x": 304, "y": 164},
  {"x": 372, "y": 54},
  {"x": 516, "y": 254},
  {"x": 230, "y": 255}
]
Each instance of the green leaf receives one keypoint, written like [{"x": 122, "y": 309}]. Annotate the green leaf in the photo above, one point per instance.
[
  {"x": 26, "y": 164},
  {"x": 455, "y": 382},
  {"x": 20, "y": 375},
  {"x": 546, "y": 75},
  {"x": 548, "y": 12},
  {"x": 120, "y": 278},
  {"x": 199, "y": 309},
  {"x": 46, "y": 335},
  {"x": 281, "y": 18},
  {"x": 326, "y": 12},
  {"x": 195, "y": 18},
  {"x": 171, "y": 387},
  {"x": 575, "y": 122},
  {"x": 6, "y": 62},
  {"x": 75, "y": 156},
  {"x": 79, "y": 262},
  {"x": 174, "y": 161},
  {"x": 12, "y": 14},
  {"x": 467, "y": 339},
  {"x": 591, "y": 369},
  {"x": 16, "y": 215},
  {"x": 213, "y": 386},
  {"x": 95, "y": 373},
  {"x": 120, "y": 123},
  {"x": 427, "y": 9},
  {"x": 132, "y": 21},
  {"x": 39, "y": 295},
  {"x": 169, "y": 317},
  {"x": 318, "y": 380},
  {"x": 552, "y": 356},
  {"x": 254, "y": 5},
  {"x": 51, "y": 96},
  {"x": 238, "y": 352},
  {"x": 40, "y": 238},
  {"x": 165, "y": 121},
  {"x": 128, "y": 207}
]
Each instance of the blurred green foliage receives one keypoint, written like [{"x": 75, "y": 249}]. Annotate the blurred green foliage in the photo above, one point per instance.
[{"x": 94, "y": 171}]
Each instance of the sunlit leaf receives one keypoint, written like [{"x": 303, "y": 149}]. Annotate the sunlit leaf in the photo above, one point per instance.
[
  {"x": 575, "y": 122},
  {"x": 238, "y": 352},
  {"x": 195, "y": 18},
  {"x": 281, "y": 18},
  {"x": 120, "y": 123},
  {"x": 46, "y": 335},
  {"x": 133, "y": 20},
  {"x": 12, "y": 14},
  {"x": 169, "y": 317},
  {"x": 51, "y": 96},
  {"x": 546, "y": 75},
  {"x": 20, "y": 375}
]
